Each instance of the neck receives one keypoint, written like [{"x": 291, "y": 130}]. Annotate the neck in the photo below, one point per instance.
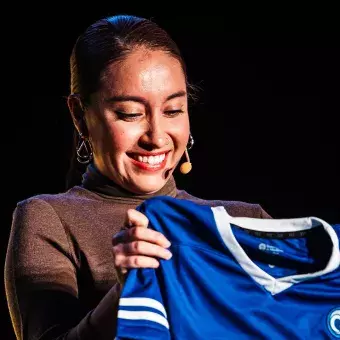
[{"x": 95, "y": 181}]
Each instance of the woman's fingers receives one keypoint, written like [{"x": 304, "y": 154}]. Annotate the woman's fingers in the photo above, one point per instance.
[
  {"x": 135, "y": 261},
  {"x": 142, "y": 248},
  {"x": 135, "y": 218},
  {"x": 137, "y": 246},
  {"x": 140, "y": 234}
]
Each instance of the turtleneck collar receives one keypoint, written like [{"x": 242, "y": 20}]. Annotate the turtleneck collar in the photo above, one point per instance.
[{"x": 95, "y": 181}]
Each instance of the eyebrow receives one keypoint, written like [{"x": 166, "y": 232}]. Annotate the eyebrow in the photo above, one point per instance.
[{"x": 142, "y": 100}]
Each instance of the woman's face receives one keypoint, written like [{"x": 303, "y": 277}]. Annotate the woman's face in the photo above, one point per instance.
[{"x": 138, "y": 121}]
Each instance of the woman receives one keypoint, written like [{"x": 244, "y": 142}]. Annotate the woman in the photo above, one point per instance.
[{"x": 129, "y": 104}]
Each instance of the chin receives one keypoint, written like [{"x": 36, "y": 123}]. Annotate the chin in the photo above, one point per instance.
[{"x": 148, "y": 186}]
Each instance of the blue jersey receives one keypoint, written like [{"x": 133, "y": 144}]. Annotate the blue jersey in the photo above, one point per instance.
[{"x": 234, "y": 278}]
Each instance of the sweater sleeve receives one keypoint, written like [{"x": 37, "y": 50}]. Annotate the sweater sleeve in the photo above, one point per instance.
[{"x": 41, "y": 280}]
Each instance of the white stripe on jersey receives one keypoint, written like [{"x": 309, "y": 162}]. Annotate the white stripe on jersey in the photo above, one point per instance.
[
  {"x": 143, "y": 315},
  {"x": 143, "y": 302}
]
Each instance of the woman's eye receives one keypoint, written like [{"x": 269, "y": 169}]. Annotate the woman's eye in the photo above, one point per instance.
[
  {"x": 133, "y": 116},
  {"x": 173, "y": 113},
  {"x": 128, "y": 116}
]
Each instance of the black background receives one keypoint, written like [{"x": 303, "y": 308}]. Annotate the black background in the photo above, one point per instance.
[{"x": 265, "y": 127}]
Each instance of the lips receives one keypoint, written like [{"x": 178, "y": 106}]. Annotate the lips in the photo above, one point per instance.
[{"x": 149, "y": 161}]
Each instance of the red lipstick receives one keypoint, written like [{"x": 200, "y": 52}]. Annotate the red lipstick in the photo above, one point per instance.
[{"x": 148, "y": 166}]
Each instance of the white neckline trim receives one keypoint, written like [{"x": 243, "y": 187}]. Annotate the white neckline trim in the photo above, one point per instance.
[{"x": 271, "y": 284}]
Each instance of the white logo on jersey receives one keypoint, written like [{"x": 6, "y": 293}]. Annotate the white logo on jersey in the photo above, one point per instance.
[
  {"x": 262, "y": 246},
  {"x": 270, "y": 249},
  {"x": 333, "y": 322}
]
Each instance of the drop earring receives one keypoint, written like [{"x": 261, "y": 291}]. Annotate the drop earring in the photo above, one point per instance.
[{"x": 84, "y": 150}]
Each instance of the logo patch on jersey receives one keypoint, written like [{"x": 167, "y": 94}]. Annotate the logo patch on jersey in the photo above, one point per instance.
[
  {"x": 333, "y": 322},
  {"x": 270, "y": 249},
  {"x": 262, "y": 246}
]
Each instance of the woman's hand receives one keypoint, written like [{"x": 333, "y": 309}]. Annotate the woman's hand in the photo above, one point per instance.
[{"x": 136, "y": 246}]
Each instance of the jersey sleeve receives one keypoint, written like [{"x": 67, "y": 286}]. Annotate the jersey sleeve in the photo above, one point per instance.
[{"x": 141, "y": 310}]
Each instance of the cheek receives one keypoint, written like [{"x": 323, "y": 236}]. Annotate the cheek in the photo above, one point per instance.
[
  {"x": 123, "y": 139},
  {"x": 180, "y": 133}
]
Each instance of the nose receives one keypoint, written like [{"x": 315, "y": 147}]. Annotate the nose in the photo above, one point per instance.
[{"x": 155, "y": 136}]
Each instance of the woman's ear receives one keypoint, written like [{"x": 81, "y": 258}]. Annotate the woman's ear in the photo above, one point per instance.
[{"x": 77, "y": 113}]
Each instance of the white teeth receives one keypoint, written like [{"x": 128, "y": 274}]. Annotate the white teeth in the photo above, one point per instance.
[{"x": 151, "y": 159}]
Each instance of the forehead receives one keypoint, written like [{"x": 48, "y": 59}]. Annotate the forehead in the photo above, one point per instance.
[{"x": 144, "y": 72}]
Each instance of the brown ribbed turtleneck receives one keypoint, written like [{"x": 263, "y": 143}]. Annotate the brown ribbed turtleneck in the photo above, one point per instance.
[
  {"x": 94, "y": 181},
  {"x": 59, "y": 274}
]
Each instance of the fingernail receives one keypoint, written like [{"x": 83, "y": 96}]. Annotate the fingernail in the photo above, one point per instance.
[
  {"x": 168, "y": 255},
  {"x": 167, "y": 244}
]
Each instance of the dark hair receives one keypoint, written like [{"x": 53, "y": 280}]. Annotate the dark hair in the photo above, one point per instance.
[{"x": 107, "y": 41}]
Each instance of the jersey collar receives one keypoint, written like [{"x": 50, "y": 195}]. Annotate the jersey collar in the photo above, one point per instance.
[{"x": 273, "y": 285}]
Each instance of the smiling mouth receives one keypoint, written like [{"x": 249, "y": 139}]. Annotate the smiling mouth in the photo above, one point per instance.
[{"x": 149, "y": 162}]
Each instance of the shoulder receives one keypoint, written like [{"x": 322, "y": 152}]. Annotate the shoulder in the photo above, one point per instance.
[
  {"x": 48, "y": 217},
  {"x": 234, "y": 208},
  {"x": 36, "y": 224},
  {"x": 56, "y": 201},
  {"x": 47, "y": 208}
]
